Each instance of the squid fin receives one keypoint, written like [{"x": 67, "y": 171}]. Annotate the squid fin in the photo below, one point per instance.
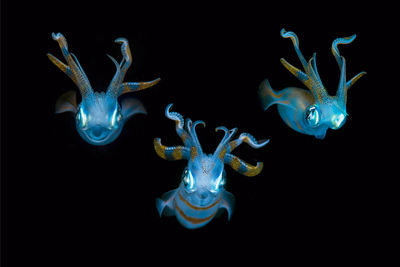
[
  {"x": 165, "y": 203},
  {"x": 66, "y": 102},
  {"x": 132, "y": 106},
  {"x": 269, "y": 97},
  {"x": 228, "y": 203}
]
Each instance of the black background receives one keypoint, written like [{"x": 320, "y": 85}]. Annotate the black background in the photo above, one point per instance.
[{"x": 67, "y": 202}]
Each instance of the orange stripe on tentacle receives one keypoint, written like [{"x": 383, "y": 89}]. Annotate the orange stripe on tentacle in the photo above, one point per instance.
[
  {"x": 196, "y": 207},
  {"x": 254, "y": 170},
  {"x": 193, "y": 219},
  {"x": 193, "y": 153},
  {"x": 176, "y": 154},
  {"x": 247, "y": 169}
]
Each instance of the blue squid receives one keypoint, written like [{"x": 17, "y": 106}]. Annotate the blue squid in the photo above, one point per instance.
[
  {"x": 99, "y": 118},
  {"x": 311, "y": 112},
  {"x": 201, "y": 192}
]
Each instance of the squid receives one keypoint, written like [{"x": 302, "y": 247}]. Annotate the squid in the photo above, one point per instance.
[
  {"x": 201, "y": 194},
  {"x": 99, "y": 118},
  {"x": 311, "y": 111}
]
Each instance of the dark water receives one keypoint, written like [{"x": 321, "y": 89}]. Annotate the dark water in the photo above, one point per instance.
[{"x": 65, "y": 201}]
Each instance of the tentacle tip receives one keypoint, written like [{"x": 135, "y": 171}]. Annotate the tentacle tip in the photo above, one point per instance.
[
  {"x": 283, "y": 31},
  {"x": 155, "y": 81},
  {"x": 121, "y": 40},
  {"x": 200, "y": 122},
  {"x": 256, "y": 170},
  {"x": 352, "y": 37},
  {"x": 56, "y": 36},
  {"x": 167, "y": 109},
  {"x": 221, "y": 128},
  {"x": 263, "y": 142}
]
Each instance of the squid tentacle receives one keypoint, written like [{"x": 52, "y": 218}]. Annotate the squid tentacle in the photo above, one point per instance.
[
  {"x": 170, "y": 153},
  {"x": 311, "y": 77},
  {"x": 126, "y": 53},
  {"x": 340, "y": 59},
  {"x": 179, "y": 124},
  {"x": 295, "y": 41},
  {"x": 335, "y": 50},
  {"x": 222, "y": 147},
  {"x": 128, "y": 87},
  {"x": 73, "y": 69},
  {"x": 243, "y": 167},
  {"x": 116, "y": 80},
  {"x": 193, "y": 134}
]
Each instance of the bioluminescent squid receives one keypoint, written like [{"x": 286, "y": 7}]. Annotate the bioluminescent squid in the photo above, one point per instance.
[
  {"x": 311, "y": 112},
  {"x": 99, "y": 117},
  {"x": 201, "y": 193}
]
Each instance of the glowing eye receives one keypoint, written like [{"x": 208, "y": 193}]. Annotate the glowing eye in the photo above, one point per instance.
[
  {"x": 115, "y": 118},
  {"x": 81, "y": 117},
  {"x": 188, "y": 180},
  {"x": 312, "y": 116},
  {"x": 337, "y": 121},
  {"x": 219, "y": 183}
]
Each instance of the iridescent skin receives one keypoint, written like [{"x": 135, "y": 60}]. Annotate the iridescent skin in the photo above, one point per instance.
[
  {"x": 99, "y": 117},
  {"x": 311, "y": 111},
  {"x": 201, "y": 193}
]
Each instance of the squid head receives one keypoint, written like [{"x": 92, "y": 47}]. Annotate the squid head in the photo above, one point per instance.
[
  {"x": 201, "y": 193},
  {"x": 311, "y": 111},
  {"x": 99, "y": 117}
]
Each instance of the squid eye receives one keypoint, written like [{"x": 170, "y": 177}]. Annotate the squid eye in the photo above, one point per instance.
[
  {"x": 188, "y": 181},
  {"x": 82, "y": 119},
  {"x": 116, "y": 117},
  {"x": 312, "y": 116},
  {"x": 338, "y": 121},
  {"x": 219, "y": 183}
]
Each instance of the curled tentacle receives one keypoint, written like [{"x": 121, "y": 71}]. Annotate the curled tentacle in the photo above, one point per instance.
[
  {"x": 126, "y": 53},
  {"x": 226, "y": 132},
  {"x": 175, "y": 116},
  {"x": 73, "y": 69},
  {"x": 115, "y": 84},
  {"x": 251, "y": 141},
  {"x": 193, "y": 134},
  {"x": 179, "y": 123},
  {"x": 238, "y": 164},
  {"x": 242, "y": 167},
  {"x": 170, "y": 153},
  {"x": 311, "y": 77},
  {"x": 222, "y": 147},
  {"x": 247, "y": 138},
  {"x": 335, "y": 50},
  {"x": 295, "y": 41},
  {"x": 340, "y": 59}
]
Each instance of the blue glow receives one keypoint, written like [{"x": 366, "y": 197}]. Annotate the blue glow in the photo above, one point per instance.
[
  {"x": 201, "y": 193},
  {"x": 99, "y": 117},
  {"x": 311, "y": 111}
]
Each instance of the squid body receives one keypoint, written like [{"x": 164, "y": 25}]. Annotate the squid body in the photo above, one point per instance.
[
  {"x": 99, "y": 117},
  {"x": 201, "y": 193},
  {"x": 311, "y": 111}
]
